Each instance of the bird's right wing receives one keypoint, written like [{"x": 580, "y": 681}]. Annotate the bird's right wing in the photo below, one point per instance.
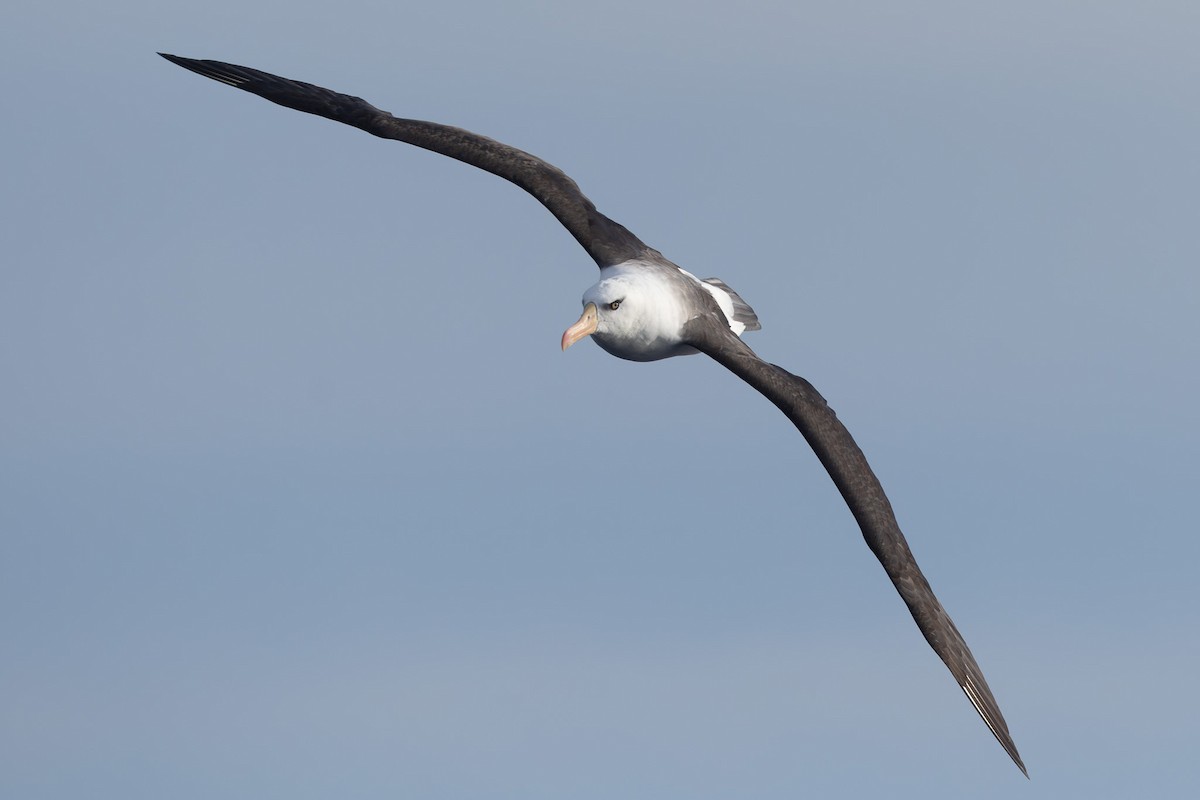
[{"x": 606, "y": 241}]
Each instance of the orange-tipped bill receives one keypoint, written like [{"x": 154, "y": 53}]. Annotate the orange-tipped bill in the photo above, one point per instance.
[{"x": 586, "y": 326}]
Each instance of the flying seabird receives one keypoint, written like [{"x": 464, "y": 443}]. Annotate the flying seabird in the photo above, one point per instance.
[{"x": 645, "y": 308}]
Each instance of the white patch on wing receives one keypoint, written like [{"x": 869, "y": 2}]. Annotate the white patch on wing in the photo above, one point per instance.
[
  {"x": 738, "y": 314},
  {"x": 726, "y": 304}
]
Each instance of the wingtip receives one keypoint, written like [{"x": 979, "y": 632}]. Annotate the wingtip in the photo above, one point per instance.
[
  {"x": 176, "y": 60},
  {"x": 1010, "y": 747}
]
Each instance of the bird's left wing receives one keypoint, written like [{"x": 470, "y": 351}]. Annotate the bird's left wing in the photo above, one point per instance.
[
  {"x": 848, "y": 467},
  {"x": 606, "y": 241}
]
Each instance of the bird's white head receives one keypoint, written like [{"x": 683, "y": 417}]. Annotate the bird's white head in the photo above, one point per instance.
[{"x": 635, "y": 312}]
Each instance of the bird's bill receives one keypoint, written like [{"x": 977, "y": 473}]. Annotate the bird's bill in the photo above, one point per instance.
[{"x": 586, "y": 326}]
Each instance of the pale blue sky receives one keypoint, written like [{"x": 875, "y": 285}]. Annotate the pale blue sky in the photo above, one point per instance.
[{"x": 299, "y": 499}]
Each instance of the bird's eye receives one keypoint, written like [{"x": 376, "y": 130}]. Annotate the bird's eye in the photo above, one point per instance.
[{"x": 614, "y": 305}]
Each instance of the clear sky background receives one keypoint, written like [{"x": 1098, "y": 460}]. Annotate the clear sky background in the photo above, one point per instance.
[{"x": 298, "y": 498}]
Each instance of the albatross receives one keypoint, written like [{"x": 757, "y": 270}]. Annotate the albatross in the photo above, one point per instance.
[{"x": 645, "y": 308}]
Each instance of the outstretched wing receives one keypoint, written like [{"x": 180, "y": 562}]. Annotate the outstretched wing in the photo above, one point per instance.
[
  {"x": 848, "y": 467},
  {"x": 607, "y": 242}
]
